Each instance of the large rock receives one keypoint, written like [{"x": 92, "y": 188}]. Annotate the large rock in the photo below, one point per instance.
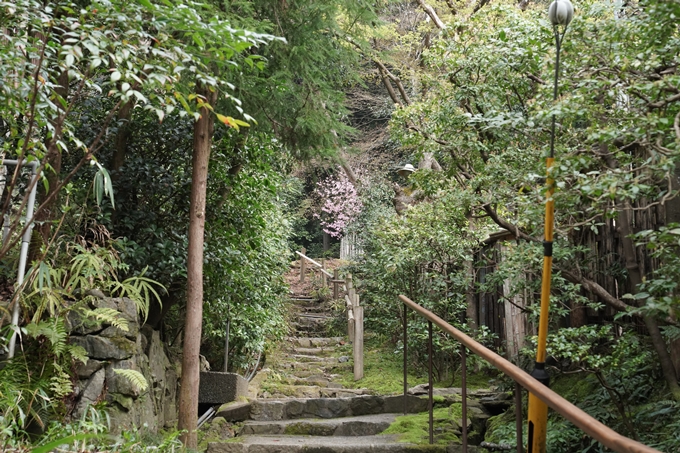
[
  {"x": 268, "y": 410},
  {"x": 236, "y": 411},
  {"x": 118, "y": 383},
  {"x": 117, "y": 348},
  {"x": 414, "y": 404},
  {"x": 85, "y": 370},
  {"x": 90, "y": 392},
  {"x": 219, "y": 388}
]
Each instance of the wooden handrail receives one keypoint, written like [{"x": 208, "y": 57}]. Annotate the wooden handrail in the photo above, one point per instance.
[
  {"x": 586, "y": 423},
  {"x": 316, "y": 264}
]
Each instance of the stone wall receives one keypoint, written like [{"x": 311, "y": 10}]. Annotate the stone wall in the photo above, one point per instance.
[{"x": 140, "y": 349}]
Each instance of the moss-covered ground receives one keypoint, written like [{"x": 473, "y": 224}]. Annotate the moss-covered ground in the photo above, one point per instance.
[
  {"x": 384, "y": 371},
  {"x": 415, "y": 428}
]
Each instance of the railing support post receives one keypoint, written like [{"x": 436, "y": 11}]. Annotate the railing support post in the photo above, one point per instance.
[
  {"x": 518, "y": 418},
  {"x": 463, "y": 383},
  {"x": 358, "y": 345},
  {"x": 303, "y": 264},
  {"x": 336, "y": 277},
  {"x": 430, "y": 405},
  {"x": 226, "y": 347},
  {"x": 405, "y": 358}
]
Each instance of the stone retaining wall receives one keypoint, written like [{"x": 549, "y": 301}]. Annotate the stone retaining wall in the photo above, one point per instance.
[{"x": 140, "y": 349}]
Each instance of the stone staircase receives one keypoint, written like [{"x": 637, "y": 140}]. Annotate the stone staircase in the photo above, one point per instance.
[{"x": 302, "y": 407}]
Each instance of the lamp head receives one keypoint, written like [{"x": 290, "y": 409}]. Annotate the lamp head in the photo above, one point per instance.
[
  {"x": 561, "y": 12},
  {"x": 406, "y": 170}
]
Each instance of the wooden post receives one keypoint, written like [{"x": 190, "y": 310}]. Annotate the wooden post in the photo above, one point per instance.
[
  {"x": 302, "y": 265},
  {"x": 349, "y": 299},
  {"x": 350, "y": 319},
  {"x": 324, "y": 282},
  {"x": 336, "y": 277},
  {"x": 358, "y": 342}
]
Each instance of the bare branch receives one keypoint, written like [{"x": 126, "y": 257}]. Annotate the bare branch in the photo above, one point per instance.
[{"x": 433, "y": 15}]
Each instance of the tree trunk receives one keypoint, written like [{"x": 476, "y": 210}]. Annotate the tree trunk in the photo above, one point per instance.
[
  {"x": 188, "y": 398},
  {"x": 625, "y": 222},
  {"x": 118, "y": 158}
]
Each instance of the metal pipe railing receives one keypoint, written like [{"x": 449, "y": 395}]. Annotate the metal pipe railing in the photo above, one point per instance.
[{"x": 586, "y": 423}]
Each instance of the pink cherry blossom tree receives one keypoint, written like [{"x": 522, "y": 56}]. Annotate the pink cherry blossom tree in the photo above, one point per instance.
[{"x": 337, "y": 203}]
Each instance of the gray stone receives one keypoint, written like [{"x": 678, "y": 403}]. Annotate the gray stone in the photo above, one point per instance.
[
  {"x": 367, "y": 404},
  {"x": 420, "y": 389},
  {"x": 85, "y": 370},
  {"x": 319, "y": 444},
  {"x": 327, "y": 407},
  {"x": 236, "y": 411},
  {"x": 105, "y": 348},
  {"x": 168, "y": 403},
  {"x": 117, "y": 383},
  {"x": 366, "y": 425},
  {"x": 98, "y": 293},
  {"x": 267, "y": 410},
  {"x": 91, "y": 391},
  {"x": 219, "y": 388},
  {"x": 335, "y": 385},
  {"x": 343, "y": 359},
  {"x": 127, "y": 307},
  {"x": 414, "y": 404},
  {"x": 131, "y": 333},
  {"x": 218, "y": 429},
  {"x": 105, "y": 302},
  {"x": 295, "y": 408},
  {"x": 81, "y": 325}
]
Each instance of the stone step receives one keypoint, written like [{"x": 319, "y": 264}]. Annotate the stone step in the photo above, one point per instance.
[
  {"x": 308, "y": 342},
  {"x": 314, "y": 315},
  {"x": 363, "y": 425},
  {"x": 299, "y": 444},
  {"x": 305, "y": 444},
  {"x": 319, "y": 352},
  {"x": 308, "y": 327},
  {"x": 311, "y": 358},
  {"x": 294, "y": 408}
]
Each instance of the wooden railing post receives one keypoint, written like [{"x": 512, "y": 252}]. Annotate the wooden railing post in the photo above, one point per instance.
[
  {"x": 336, "y": 277},
  {"x": 358, "y": 341},
  {"x": 349, "y": 299},
  {"x": 324, "y": 282},
  {"x": 303, "y": 265}
]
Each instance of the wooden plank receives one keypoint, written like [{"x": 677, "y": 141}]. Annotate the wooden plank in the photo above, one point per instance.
[
  {"x": 358, "y": 343},
  {"x": 314, "y": 263},
  {"x": 302, "y": 265}
]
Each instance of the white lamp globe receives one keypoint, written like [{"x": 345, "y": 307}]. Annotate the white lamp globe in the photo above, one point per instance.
[{"x": 561, "y": 12}]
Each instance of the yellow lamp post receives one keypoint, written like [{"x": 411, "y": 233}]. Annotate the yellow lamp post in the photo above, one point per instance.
[{"x": 560, "y": 14}]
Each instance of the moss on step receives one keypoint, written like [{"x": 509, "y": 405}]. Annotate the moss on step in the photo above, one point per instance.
[{"x": 415, "y": 428}]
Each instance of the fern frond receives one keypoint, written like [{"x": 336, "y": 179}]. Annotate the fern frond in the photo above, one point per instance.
[
  {"x": 53, "y": 330},
  {"x": 77, "y": 353},
  {"x": 60, "y": 382},
  {"x": 135, "y": 377},
  {"x": 109, "y": 316}
]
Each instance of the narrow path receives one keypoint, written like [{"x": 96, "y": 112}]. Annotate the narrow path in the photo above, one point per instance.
[{"x": 301, "y": 406}]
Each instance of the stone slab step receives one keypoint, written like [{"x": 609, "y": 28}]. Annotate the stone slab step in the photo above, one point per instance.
[
  {"x": 364, "y": 425},
  {"x": 295, "y": 408},
  {"x": 314, "y": 315},
  {"x": 313, "y": 351},
  {"x": 311, "y": 358},
  {"x": 308, "y": 342},
  {"x": 299, "y": 444}
]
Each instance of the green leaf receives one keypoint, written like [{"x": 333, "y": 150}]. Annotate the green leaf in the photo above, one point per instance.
[{"x": 64, "y": 441}]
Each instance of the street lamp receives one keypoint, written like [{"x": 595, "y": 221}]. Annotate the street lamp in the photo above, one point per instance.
[{"x": 560, "y": 14}]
